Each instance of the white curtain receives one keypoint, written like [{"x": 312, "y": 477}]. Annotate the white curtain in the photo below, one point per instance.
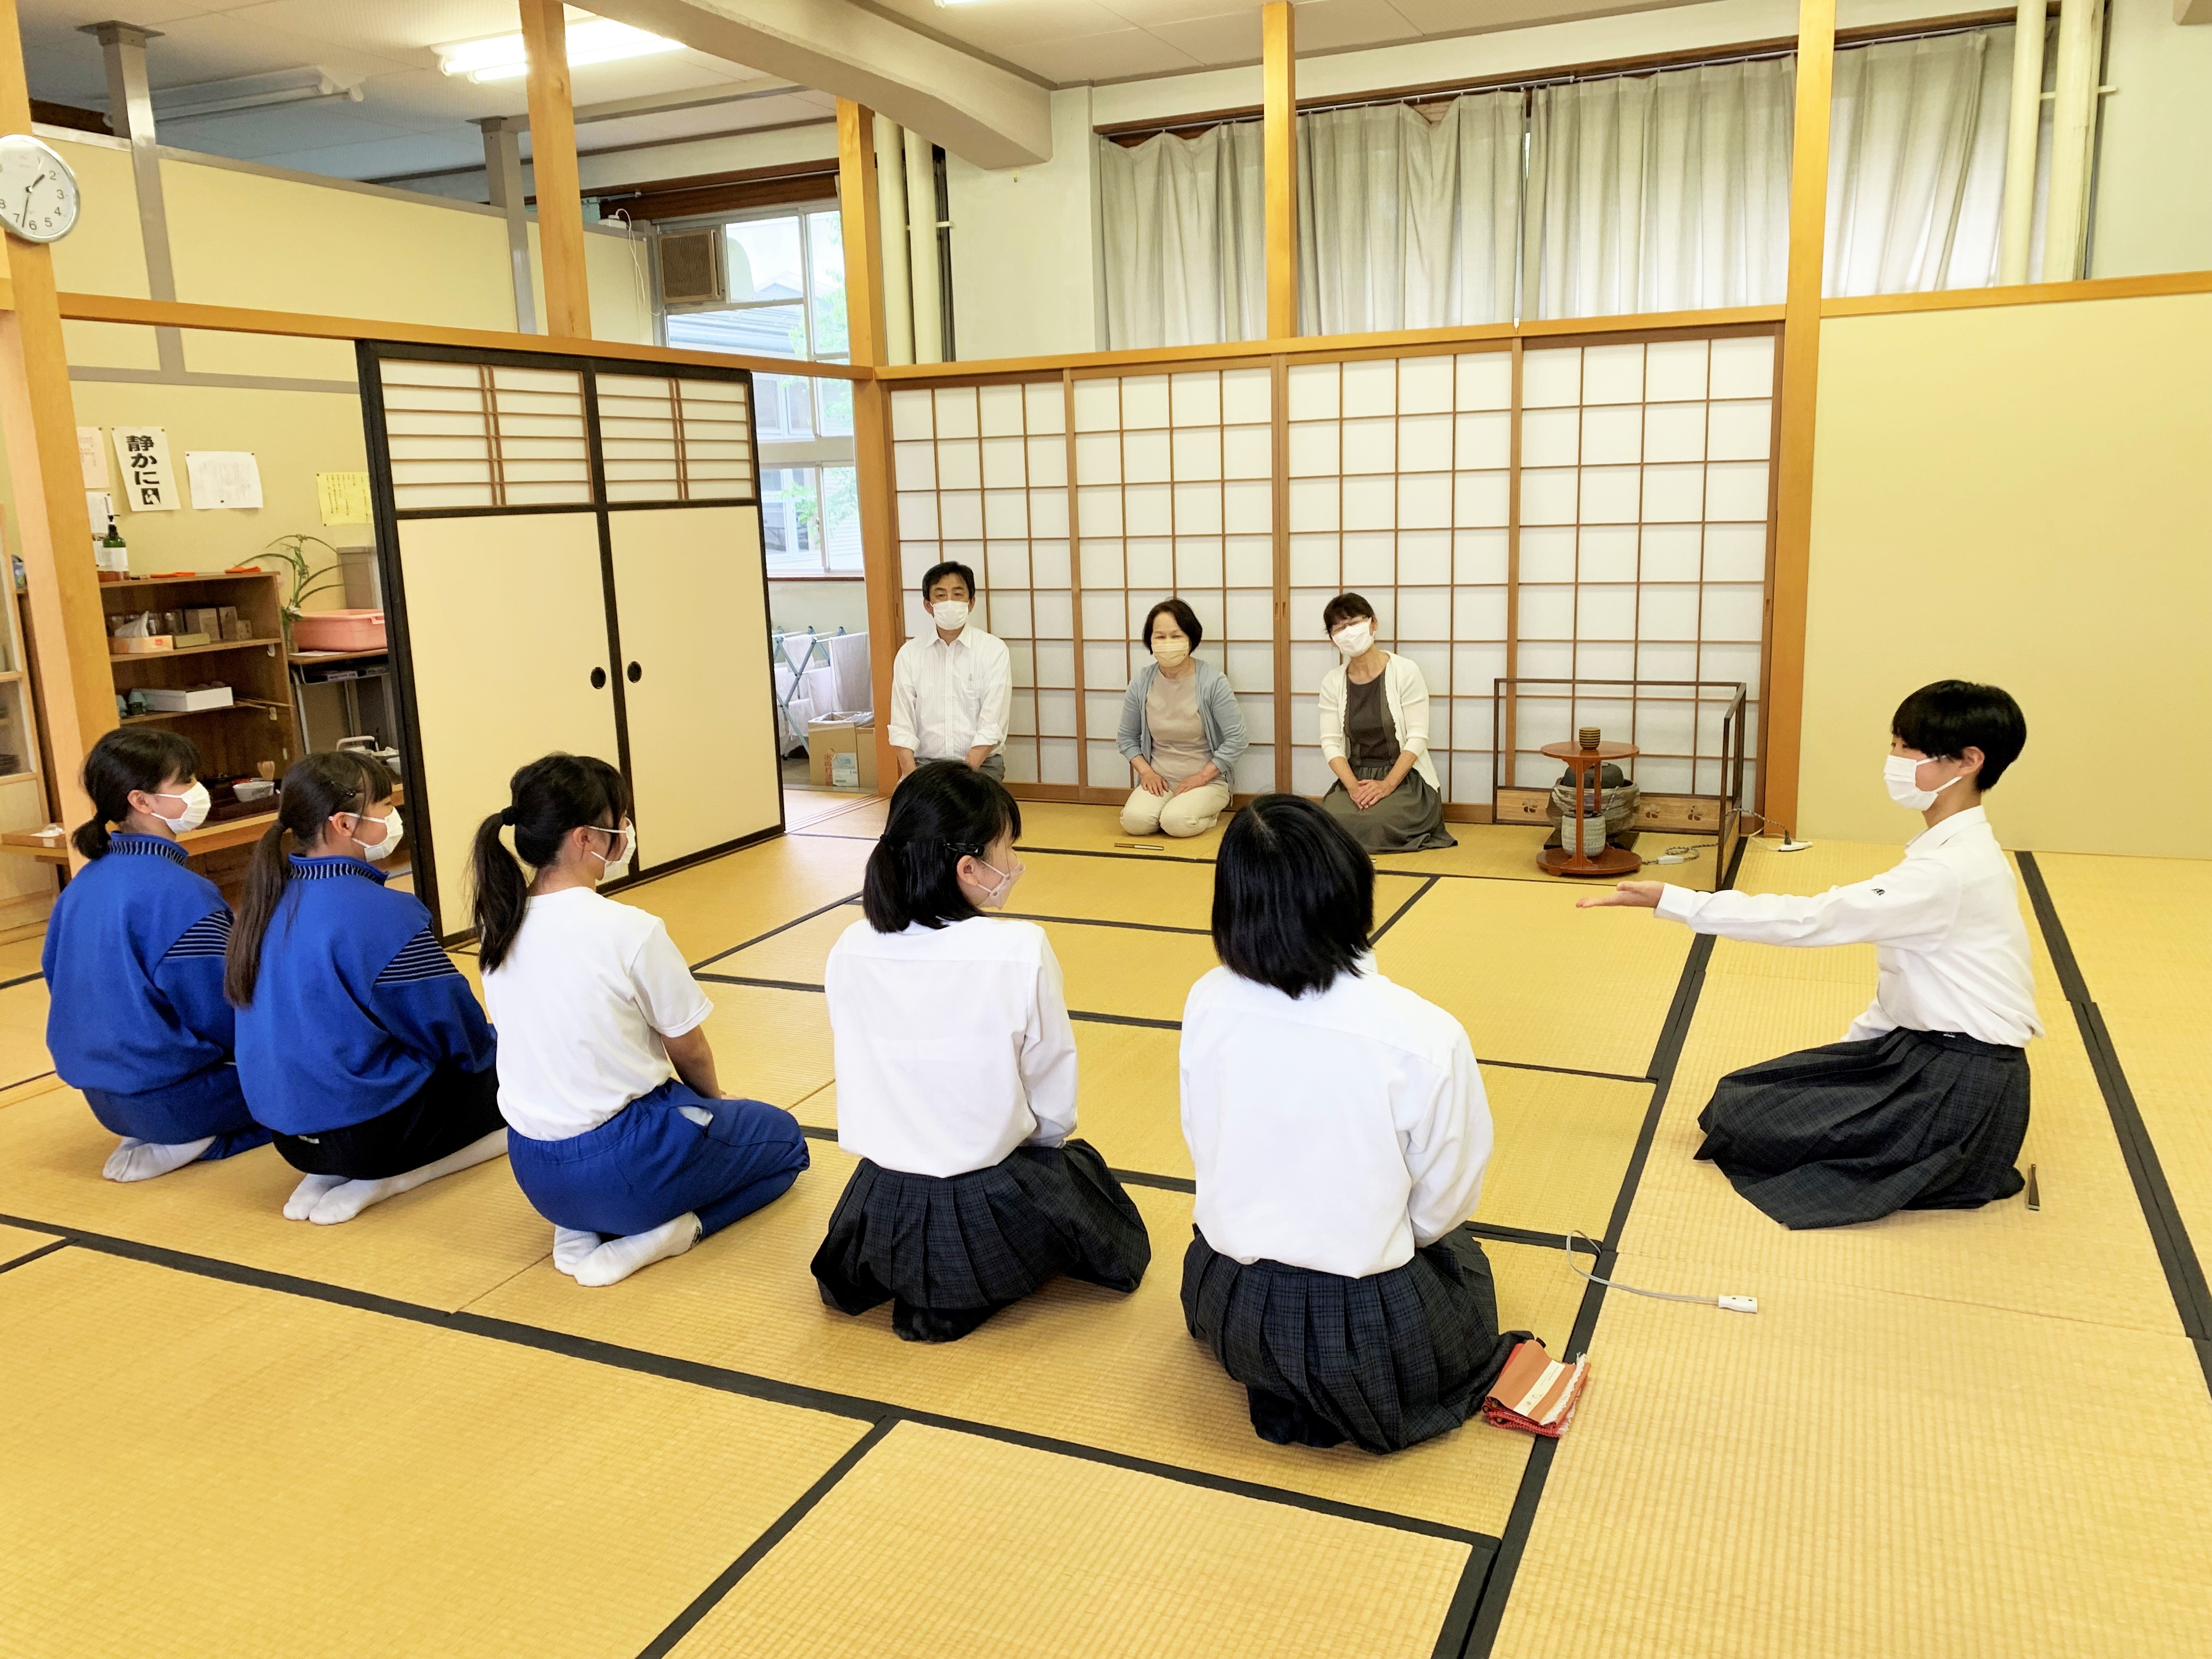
[
  {"x": 1405, "y": 222},
  {"x": 1917, "y": 163},
  {"x": 1659, "y": 192},
  {"x": 1185, "y": 235}
]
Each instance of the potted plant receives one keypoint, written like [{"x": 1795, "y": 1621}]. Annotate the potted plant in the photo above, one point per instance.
[{"x": 307, "y": 582}]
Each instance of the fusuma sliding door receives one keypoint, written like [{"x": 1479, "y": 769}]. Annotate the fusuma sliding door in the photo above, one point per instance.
[{"x": 572, "y": 559}]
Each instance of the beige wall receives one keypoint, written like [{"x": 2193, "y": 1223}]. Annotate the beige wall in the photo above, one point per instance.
[
  {"x": 824, "y": 603},
  {"x": 2021, "y": 496},
  {"x": 2154, "y": 166}
]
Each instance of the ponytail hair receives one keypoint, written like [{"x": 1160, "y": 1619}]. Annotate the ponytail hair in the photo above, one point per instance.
[
  {"x": 126, "y": 759},
  {"x": 547, "y": 799},
  {"x": 317, "y": 785},
  {"x": 942, "y": 812}
]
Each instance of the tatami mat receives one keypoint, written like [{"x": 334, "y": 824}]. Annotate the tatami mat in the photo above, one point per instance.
[
  {"x": 19, "y": 957},
  {"x": 769, "y": 1044},
  {"x": 1851, "y": 1473},
  {"x": 866, "y": 820},
  {"x": 1072, "y": 1362},
  {"x": 441, "y": 1245},
  {"x": 815, "y": 808},
  {"x": 936, "y": 1545},
  {"x": 1535, "y": 980},
  {"x": 23, "y": 1033},
  {"x": 16, "y": 1244},
  {"x": 199, "y": 1467},
  {"x": 716, "y": 906}
]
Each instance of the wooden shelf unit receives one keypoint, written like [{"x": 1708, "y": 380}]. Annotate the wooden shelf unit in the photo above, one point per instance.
[{"x": 259, "y": 727}]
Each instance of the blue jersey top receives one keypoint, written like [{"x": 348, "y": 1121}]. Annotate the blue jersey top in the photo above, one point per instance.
[
  {"x": 355, "y": 1006},
  {"x": 133, "y": 960}
]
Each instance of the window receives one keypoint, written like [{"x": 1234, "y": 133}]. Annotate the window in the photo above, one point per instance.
[
  {"x": 810, "y": 520},
  {"x": 787, "y": 284}
]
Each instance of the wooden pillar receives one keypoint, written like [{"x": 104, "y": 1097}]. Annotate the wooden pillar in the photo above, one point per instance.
[
  {"x": 859, "y": 217},
  {"x": 69, "y": 666},
  {"x": 1280, "y": 152},
  {"x": 553, "y": 163},
  {"x": 1782, "y": 721}
]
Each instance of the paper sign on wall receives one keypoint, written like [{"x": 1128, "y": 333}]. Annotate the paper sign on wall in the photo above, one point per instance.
[
  {"x": 98, "y": 510},
  {"x": 223, "y": 477},
  {"x": 343, "y": 495},
  {"x": 143, "y": 453},
  {"x": 92, "y": 458}
]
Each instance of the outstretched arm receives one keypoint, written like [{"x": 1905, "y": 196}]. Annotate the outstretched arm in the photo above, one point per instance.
[{"x": 1912, "y": 905}]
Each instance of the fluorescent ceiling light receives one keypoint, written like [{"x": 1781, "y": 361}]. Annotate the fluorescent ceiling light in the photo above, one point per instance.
[
  {"x": 308, "y": 85},
  {"x": 591, "y": 40}
]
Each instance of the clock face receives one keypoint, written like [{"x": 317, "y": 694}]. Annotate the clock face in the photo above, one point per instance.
[{"x": 38, "y": 192}]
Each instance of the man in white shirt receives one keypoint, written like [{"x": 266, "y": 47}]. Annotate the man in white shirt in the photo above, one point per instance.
[
  {"x": 952, "y": 689},
  {"x": 1925, "y": 1104}
]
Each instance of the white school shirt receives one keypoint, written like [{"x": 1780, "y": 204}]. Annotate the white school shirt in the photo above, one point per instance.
[
  {"x": 586, "y": 992},
  {"x": 952, "y": 1044},
  {"x": 1952, "y": 946},
  {"x": 1339, "y": 1131},
  {"x": 948, "y": 699},
  {"x": 1406, "y": 694}
]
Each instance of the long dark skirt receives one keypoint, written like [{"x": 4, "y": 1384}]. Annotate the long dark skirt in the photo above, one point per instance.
[
  {"x": 948, "y": 1252},
  {"x": 1409, "y": 819},
  {"x": 1384, "y": 1362},
  {"x": 1907, "y": 1121}
]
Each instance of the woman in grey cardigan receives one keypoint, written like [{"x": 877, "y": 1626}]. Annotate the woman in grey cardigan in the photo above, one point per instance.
[{"x": 1180, "y": 730}]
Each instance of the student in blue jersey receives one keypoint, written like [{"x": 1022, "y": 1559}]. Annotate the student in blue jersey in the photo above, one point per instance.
[
  {"x": 618, "y": 1129},
  {"x": 133, "y": 962},
  {"x": 359, "y": 1042}
]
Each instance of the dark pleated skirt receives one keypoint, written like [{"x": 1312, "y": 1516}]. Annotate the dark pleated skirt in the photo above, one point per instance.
[
  {"x": 1384, "y": 1362},
  {"x": 948, "y": 1252},
  {"x": 1907, "y": 1121}
]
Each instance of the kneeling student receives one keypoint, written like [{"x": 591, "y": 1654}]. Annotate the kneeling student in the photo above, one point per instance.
[
  {"x": 359, "y": 1042},
  {"x": 1340, "y": 1131},
  {"x": 616, "y": 1123},
  {"x": 133, "y": 960},
  {"x": 956, "y": 1084},
  {"x": 1924, "y": 1104}
]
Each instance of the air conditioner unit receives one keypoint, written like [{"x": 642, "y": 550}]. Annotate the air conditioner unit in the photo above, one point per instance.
[{"x": 691, "y": 269}]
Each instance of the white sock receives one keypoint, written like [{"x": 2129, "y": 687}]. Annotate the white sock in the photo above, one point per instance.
[
  {"x": 570, "y": 1246},
  {"x": 618, "y": 1258},
  {"x": 141, "y": 1160},
  {"x": 344, "y": 1202},
  {"x": 307, "y": 1193}
]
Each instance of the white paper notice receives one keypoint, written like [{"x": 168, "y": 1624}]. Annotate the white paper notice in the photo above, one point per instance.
[
  {"x": 92, "y": 458},
  {"x": 143, "y": 454},
  {"x": 223, "y": 477}
]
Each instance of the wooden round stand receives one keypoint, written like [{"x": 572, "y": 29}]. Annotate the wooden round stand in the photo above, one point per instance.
[{"x": 1568, "y": 858}]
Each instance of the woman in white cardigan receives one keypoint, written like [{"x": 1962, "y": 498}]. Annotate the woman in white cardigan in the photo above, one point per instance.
[{"x": 1375, "y": 736}]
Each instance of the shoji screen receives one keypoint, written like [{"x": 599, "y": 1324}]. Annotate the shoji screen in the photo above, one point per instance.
[
  {"x": 982, "y": 475},
  {"x": 1400, "y": 491},
  {"x": 1173, "y": 497},
  {"x": 1644, "y": 492}
]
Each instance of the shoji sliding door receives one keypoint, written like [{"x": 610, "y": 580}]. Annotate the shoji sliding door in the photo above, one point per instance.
[{"x": 572, "y": 559}]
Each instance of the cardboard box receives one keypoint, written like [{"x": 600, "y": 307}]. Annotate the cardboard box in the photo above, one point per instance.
[
  {"x": 187, "y": 642},
  {"x": 827, "y": 740},
  {"x": 204, "y": 619},
  {"x": 146, "y": 646},
  {"x": 226, "y": 620}
]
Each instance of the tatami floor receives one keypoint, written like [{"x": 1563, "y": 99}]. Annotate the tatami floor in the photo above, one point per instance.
[{"x": 1943, "y": 1434}]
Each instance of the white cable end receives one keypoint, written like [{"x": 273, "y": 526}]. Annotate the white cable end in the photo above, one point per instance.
[
  {"x": 1670, "y": 857},
  {"x": 1792, "y": 845},
  {"x": 1737, "y": 1303}
]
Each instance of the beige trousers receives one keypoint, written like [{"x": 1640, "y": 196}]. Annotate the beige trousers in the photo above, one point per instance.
[{"x": 1190, "y": 813}]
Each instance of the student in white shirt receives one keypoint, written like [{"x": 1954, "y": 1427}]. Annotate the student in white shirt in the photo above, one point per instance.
[
  {"x": 956, "y": 1084},
  {"x": 952, "y": 689},
  {"x": 1924, "y": 1104},
  {"x": 617, "y": 1129},
  {"x": 1374, "y": 713},
  {"x": 1340, "y": 1131}
]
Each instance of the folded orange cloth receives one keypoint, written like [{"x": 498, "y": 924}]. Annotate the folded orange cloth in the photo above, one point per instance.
[{"x": 1536, "y": 1392}]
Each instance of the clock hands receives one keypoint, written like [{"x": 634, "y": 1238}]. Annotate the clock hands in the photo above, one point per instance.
[{"x": 30, "y": 190}]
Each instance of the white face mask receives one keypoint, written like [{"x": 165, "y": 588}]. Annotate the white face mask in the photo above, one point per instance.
[
  {"x": 625, "y": 842},
  {"x": 950, "y": 614},
  {"x": 381, "y": 849},
  {"x": 1170, "y": 654},
  {"x": 1901, "y": 774},
  {"x": 195, "y": 803},
  {"x": 995, "y": 899},
  {"x": 1354, "y": 639}
]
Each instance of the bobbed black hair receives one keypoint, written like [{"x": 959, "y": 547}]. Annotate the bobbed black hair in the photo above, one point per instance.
[
  {"x": 936, "y": 572},
  {"x": 546, "y": 799},
  {"x": 943, "y": 812},
  {"x": 1186, "y": 619},
  {"x": 1344, "y": 608},
  {"x": 138, "y": 757},
  {"x": 1945, "y": 719},
  {"x": 1293, "y": 897}
]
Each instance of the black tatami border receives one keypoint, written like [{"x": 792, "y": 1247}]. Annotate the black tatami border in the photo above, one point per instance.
[
  {"x": 1488, "y": 1603},
  {"x": 2177, "y": 1253}
]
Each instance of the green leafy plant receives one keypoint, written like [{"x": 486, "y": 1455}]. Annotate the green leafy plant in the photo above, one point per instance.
[{"x": 307, "y": 580}]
